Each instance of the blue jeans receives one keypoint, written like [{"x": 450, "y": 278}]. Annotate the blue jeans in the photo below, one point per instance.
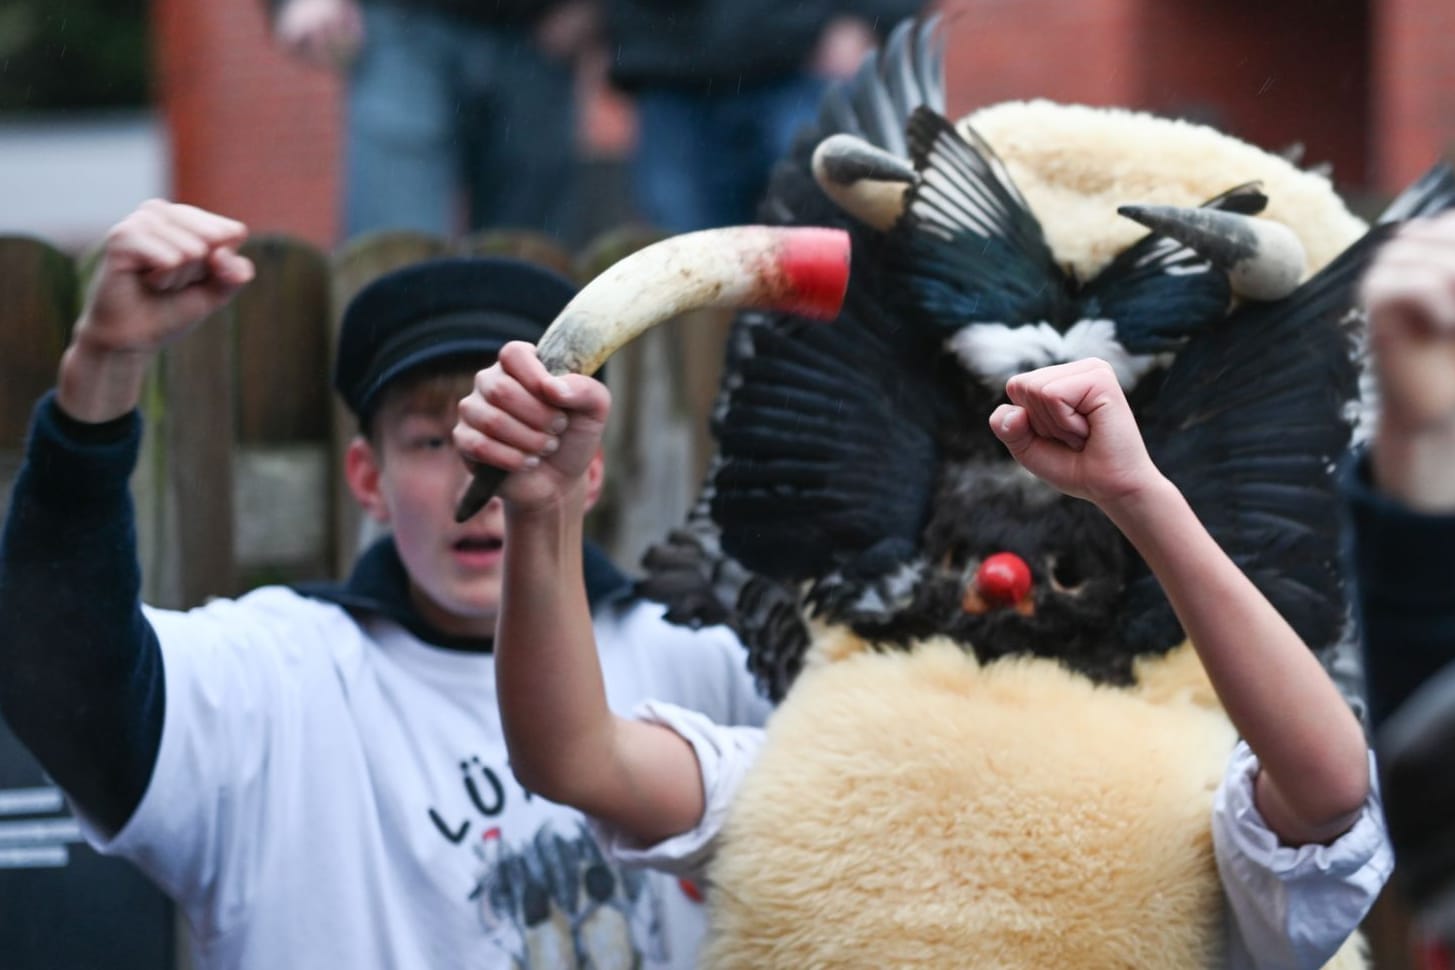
[
  {"x": 441, "y": 108},
  {"x": 703, "y": 159}
]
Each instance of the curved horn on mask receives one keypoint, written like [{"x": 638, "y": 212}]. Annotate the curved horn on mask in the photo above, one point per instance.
[
  {"x": 795, "y": 270},
  {"x": 1264, "y": 259},
  {"x": 866, "y": 182}
]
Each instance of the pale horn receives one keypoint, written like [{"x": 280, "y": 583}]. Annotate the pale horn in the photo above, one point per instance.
[
  {"x": 1264, "y": 259},
  {"x": 865, "y": 181},
  {"x": 794, "y": 270}
]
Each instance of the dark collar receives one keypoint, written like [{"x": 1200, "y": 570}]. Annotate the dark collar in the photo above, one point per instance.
[{"x": 379, "y": 585}]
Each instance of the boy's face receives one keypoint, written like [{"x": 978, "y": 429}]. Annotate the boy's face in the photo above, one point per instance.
[{"x": 407, "y": 475}]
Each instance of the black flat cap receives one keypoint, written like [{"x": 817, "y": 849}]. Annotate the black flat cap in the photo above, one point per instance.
[{"x": 464, "y": 309}]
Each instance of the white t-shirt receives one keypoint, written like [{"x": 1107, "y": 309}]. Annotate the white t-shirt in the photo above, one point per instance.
[
  {"x": 1288, "y": 908},
  {"x": 330, "y": 794}
]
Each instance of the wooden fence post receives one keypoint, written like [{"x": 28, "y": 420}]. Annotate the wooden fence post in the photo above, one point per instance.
[
  {"x": 284, "y": 489},
  {"x": 658, "y": 444},
  {"x": 191, "y": 422},
  {"x": 522, "y": 244},
  {"x": 39, "y": 298}
]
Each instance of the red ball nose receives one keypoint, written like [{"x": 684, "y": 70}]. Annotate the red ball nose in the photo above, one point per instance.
[{"x": 1003, "y": 578}]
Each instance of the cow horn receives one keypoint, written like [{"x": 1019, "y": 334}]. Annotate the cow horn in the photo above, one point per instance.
[
  {"x": 1264, "y": 259},
  {"x": 865, "y": 181},
  {"x": 796, "y": 270}
]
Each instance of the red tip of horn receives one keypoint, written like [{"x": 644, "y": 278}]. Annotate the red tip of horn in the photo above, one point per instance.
[{"x": 814, "y": 264}]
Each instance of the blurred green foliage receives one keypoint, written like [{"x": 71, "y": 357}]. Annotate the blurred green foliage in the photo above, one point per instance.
[{"x": 73, "y": 54}]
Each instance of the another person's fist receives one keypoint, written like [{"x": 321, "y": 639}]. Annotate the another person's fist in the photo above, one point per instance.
[
  {"x": 1409, "y": 293},
  {"x": 325, "y": 33},
  {"x": 1410, "y": 296}
]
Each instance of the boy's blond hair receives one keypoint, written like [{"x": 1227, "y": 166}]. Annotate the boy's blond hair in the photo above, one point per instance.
[{"x": 429, "y": 390}]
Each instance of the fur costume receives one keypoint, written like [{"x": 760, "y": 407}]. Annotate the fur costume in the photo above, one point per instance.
[
  {"x": 946, "y": 784},
  {"x": 918, "y": 809}
]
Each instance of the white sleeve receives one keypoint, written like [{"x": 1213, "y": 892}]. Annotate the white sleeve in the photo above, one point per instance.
[
  {"x": 236, "y": 673},
  {"x": 1292, "y": 907},
  {"x": 724, "y": 755}
]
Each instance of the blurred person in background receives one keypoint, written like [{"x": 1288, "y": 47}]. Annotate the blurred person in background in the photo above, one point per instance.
[
  {"x": 1402, "y": 497},
  {"x": 449, "y": 98},
  {"x": 721, "y": 87}
]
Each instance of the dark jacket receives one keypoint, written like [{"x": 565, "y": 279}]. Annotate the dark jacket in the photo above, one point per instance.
[
  {"x": 704, "y": 44},
  {"x": 1404, "y": 567},
  {"x": 1404, "y": 571}
]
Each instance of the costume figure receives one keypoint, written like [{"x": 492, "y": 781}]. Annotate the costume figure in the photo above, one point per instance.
[{"x": 994, "y": 747}]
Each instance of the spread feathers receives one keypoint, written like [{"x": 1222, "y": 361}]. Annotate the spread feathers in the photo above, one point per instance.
[{"x": 856, "y": 482}]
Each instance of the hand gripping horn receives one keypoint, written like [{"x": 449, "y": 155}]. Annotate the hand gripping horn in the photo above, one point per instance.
[{"x": 796, "y": 270}]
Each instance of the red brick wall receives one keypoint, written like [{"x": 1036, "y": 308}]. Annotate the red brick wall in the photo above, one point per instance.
[
  {"x": 254, "y": 135},
  {"x": 1413, "y": 74},
  {"x": 1271, "y": 73},
  {"x": 1002, "y": 50}
]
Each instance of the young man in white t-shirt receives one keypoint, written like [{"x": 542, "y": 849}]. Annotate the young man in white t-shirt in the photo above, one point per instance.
[{"x": 318, "y": 776}]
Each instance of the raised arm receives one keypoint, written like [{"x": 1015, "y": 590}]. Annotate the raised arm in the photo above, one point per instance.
[
  {"x": 564, "y": 742},
  {"x": 1070, "y": 425},
  {"x": 1410, "y": 296},
  {"x": 80, "y": 669}
]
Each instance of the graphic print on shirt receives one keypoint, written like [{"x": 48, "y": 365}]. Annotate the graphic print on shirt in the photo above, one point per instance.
[
  {"x": 550, "y": 900},
  {"x": 554, "y": 901}
]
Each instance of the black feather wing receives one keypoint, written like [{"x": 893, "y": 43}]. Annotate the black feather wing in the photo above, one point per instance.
[
  {"x": 1432, "y": 194},
  {"x": 876, "y": 103},
  {"x": 821, "y": 421},
  {"x": 1158, "y": 291},
  {"x": 1252, "y": 419},
  {"x": 1250, "y": 423},
  {"x": 828, "y": 445},
  {"x": 806, "y": 412},
  {"x": 968, "y": 247}
]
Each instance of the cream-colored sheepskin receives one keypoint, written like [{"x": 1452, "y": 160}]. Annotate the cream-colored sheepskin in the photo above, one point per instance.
[
  {"x": 917, "y": 809},
  {"x": 1076, "y": 164}
]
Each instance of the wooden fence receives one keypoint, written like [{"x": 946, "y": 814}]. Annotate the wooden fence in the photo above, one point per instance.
[{"x": 240, "y": 477}]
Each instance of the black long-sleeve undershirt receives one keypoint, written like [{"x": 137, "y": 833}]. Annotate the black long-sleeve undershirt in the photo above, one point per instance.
[
  {"x": 80, "y": 668},
  {"x": 1404, "y": 570},
  {"x": 1404, "y": 565}
]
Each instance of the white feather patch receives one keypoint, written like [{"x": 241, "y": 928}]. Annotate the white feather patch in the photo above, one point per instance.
[
  {"x": 1363, "y": 412},
  {"x": 996, "y": 352},
  {"x": 886, "y": 595}
]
